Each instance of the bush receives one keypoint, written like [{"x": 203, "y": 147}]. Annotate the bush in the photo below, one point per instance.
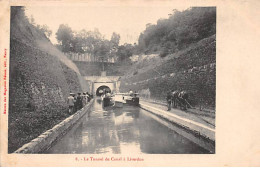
[
  {"x": 136, "y": 72},
  {"x": 164, "y": 53}
]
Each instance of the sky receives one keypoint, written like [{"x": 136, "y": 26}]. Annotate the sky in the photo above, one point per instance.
[{"x": 127, "y": 20}]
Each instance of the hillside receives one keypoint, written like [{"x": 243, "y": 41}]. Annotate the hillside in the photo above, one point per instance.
[
  {"x": 41, "y": 79},
  {"x": 178, "y": 31},
  {"x": 192, "y": 69},
  {"x": 177, "y": 53}
]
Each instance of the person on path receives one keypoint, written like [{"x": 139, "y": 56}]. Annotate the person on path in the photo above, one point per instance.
[
  {"x": 84, "y": 99},
  {"x": 70, "y": 102},
  {"x": 131, "y": 92},
  {"x": 79, "y": 101},
  {"x": 175, "y": 94},
  {"x": 75, "y": 104},
  {"x": 88, "y": 96},
  {"x": 169, "y": 100},
  {"x": 183, "y": 96}
]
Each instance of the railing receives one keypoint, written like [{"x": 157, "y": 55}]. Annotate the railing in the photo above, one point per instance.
[{"x": 88, "y": 57}]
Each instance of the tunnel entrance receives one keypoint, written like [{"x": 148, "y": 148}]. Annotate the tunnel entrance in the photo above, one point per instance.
[{"x": 100, "y": 90}]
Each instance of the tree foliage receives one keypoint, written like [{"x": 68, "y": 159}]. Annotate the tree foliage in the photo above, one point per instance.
[
  {"x": 92, "y": 42},
  {"x": 115, "y": 38},
  {"x": 125, "y": 51},
  {"x": 45, "y": 30},
  {"x": 64, "y": 36},
  {"x": 178, "y": 31}
]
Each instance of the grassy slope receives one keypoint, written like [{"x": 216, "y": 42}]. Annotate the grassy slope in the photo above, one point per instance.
[
  {"x": 200, "y": 83},
  {"x": 39, "y": 84}
]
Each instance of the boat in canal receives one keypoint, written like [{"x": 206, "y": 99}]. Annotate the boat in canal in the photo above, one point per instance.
[
  {"x": 121, "y": 99},
  {"x": 107, "y": 100}
]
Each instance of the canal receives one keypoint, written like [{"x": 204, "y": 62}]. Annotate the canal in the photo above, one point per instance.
[{"x": 123, "y": 130}]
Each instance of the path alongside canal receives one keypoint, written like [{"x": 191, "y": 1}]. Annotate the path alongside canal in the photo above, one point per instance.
[
  {"x": 195, "y": 121},
  {"x": 207, "y": 119}
]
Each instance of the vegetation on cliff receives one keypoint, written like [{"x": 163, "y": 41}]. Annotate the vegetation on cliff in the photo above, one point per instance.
[
  {"x": 178, "y": 31},
  {"x": 39, "y": 82},
  {"x": 177, "y": 53}
]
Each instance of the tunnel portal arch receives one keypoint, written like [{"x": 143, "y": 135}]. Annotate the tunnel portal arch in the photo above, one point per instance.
[
  {"x": 100, "y": 90},
  {"x": 97, "y": 86},
  {"x": 95, "y": 83}
]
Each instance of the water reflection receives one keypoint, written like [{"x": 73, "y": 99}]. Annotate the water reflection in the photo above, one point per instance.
[{"x": 122, "y": 131}]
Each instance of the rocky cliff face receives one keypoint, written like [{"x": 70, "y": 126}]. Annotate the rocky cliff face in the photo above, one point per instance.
[{"x": 40, "y": 82}]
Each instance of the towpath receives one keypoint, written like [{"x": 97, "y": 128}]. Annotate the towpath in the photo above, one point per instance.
[{"x": 195, "y": 120}]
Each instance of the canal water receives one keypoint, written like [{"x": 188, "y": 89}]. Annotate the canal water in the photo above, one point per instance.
[{"x": 120, "y": 131}]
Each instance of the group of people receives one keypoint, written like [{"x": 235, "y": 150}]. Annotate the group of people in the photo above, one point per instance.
[
  {"x": 77, "y": 102},
  {"x": 178, "y": 97},
  {"x": 132, "y": 94},
  {"x": 106, "y": 93}
]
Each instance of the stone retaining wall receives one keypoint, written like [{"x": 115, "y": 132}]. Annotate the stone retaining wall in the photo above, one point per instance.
[{"x": 46, "y": 139}]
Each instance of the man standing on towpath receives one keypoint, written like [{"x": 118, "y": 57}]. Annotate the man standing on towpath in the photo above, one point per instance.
[
  {"x": 169, "y": 100},
  {"x": 79, "y": 103},
  {"x": 84, "y": 99},
  {"x": 70, "y": 102}
]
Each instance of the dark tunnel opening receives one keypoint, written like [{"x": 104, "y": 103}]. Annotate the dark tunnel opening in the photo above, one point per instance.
[{"x": 100, "y": 90}]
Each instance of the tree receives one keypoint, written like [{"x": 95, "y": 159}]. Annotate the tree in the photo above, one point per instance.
[
  {"x": 64, "y": 36},
  {"x": 102, "y": 50},
  {"x": 125, "y": 51},
  {"x": 179, "y": 30},
  {"x": 92, "y": 42},
  {"x": 45, "y": 30},
  {"x": 115, "y": 38}
]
